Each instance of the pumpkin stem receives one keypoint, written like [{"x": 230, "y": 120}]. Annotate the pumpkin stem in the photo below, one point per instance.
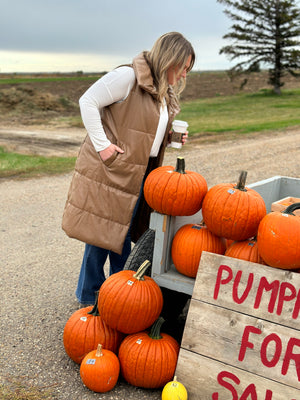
[
  {"x": 242, "y": 181},
  {"x": 155, "y": 329},
  {"x": 291, "y": 208},
  {"x": 175, "y": 382},
  {"x": 180, "y": 165},
  {"x": 99, "y": 351},
  {"x": 94, "y": 311},
  {"x": 139, "y": 275}
]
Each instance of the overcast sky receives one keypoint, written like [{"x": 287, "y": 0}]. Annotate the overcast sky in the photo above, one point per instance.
[{"x": 97, "y": 35}]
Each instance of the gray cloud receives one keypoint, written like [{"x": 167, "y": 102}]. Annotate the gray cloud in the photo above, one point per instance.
[{"x": 110, "y": 27}]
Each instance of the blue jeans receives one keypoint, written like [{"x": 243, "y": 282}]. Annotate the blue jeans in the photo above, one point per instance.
[{"x": 92, "y": 275}]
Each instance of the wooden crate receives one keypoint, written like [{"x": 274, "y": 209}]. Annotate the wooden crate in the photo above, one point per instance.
[
  {"x": 282, "y": 204},
  {"x": 241, "y": 342},
  {"x": 276, "y": 188},
  {"x": 163, "y": 269}
]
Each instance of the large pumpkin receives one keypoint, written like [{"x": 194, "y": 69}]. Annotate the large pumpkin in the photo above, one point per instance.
[
  {"x": 233, "y": 211},
  {"x": 129, "y": 301},
  {"x": 187, "y": 246},
  {"x": 100, "y": 370},
  {"x": 175, "y": 191},
  {"x": 149, "y": 360},
  {"x": 278, "y": 238},
  {"x": 246, "y": 250},
  {"x": 85, "y": 329}
]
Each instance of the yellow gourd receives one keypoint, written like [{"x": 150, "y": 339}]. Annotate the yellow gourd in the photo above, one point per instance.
[{"x": 174, "y": 390}]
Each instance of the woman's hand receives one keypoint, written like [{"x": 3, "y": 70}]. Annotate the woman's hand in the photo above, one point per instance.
[
  {"x": 184, "y": 137},
  {"x": 109, "y": 151}
]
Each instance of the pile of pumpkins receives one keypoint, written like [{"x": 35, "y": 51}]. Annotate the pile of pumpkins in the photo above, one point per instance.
[
  {"x": 235, "y": 221},
  {"x": 121, "y": 333}
]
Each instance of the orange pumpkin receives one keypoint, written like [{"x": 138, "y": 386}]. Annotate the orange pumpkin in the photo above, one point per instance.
[
  {"x": 175, "y": 191},
  {"x": 233, "y": 211},
  {"x": 129, "y": 301},
  {"x": 278, "y": 238},
  {"x": 246, "y": 250},
  {"x": 228, "y": 242},
  {"x": 100, "y": 370},
  {"x": 85, "y": 329},
  {"x": 149, "y": 360},
  {"x": 187, "y": 246}
]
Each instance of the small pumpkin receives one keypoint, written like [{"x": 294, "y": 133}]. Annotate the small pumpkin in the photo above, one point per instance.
[
  {"x": 187, "y": 246},
  {"x": 148, "y": 360},
  {"x": 85, "y": 329},
  {"x": 278, "y": 238},
  {"x": 100, "y": 370},
  {"x": 246, "y": 250},
  {"x": 174, "y": 390},
  {"x": 233, "y": 211},
  {"x": 175, "y": 191},
  {"x": 129, "y": 301}
]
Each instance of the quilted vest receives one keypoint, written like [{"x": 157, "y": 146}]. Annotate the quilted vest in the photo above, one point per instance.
[{"x": 102, "y": 195}]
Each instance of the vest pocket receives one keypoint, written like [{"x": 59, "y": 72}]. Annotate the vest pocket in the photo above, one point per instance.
[{"x": 110, "y": 160}]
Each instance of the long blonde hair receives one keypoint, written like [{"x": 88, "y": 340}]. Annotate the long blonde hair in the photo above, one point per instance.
[{"x": 170, "y": 50}]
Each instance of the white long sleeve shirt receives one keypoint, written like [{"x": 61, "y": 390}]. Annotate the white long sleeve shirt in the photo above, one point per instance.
[{"x": 113, "y": 87}]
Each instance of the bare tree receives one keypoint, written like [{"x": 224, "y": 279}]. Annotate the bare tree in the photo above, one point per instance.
[{"x": 264, "y": 32}]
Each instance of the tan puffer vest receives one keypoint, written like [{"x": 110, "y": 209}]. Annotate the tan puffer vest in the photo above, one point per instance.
[{"x": 102, "y": 195}]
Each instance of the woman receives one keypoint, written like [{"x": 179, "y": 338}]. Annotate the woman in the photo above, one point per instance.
[{"x": 128, "y": 115}]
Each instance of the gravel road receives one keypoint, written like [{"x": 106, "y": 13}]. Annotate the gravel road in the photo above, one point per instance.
[{"x": 40, "y": 264}]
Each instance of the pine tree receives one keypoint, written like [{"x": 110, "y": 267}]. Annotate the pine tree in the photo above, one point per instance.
[{"x": 264, "y": 32}]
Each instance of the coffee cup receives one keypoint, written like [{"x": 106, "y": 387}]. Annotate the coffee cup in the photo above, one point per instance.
[{"x": 179, "y": 128}]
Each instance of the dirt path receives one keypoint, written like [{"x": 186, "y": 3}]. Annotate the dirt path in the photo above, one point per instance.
[
  {"x": 262, "y": 155},
  {"x": 40, "y": 140},
  {"x": 40, "y": 265}
]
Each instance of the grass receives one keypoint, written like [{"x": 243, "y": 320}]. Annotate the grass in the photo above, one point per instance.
[
  {"x": 73, "y": 121},
  {"x": 238, "y": 115},
  {"x": 26, "y": 166},
  {"x": 243, "y": 113},
  {"x": 23, "y": 79}
]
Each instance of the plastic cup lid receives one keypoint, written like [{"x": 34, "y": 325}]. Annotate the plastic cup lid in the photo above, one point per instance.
[{"x": 178, "y": 122}]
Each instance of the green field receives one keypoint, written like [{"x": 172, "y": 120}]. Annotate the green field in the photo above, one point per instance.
[
  {"x": 244, "y": 113},
  {"x": 28, "y": 79},
  {"x": 26, "y": 166},
  {"x": 238, "y": 115}
]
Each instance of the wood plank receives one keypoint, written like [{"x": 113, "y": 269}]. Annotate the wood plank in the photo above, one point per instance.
[
  {"x": 199, "y": 374},
  {"x": 160, "y": 224},
  {"x": 217, "y": 333},
  {"x": 289, "y": 288},
  {"x": 238, "y": 325},
  {"x": 175, "y": 281}
]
